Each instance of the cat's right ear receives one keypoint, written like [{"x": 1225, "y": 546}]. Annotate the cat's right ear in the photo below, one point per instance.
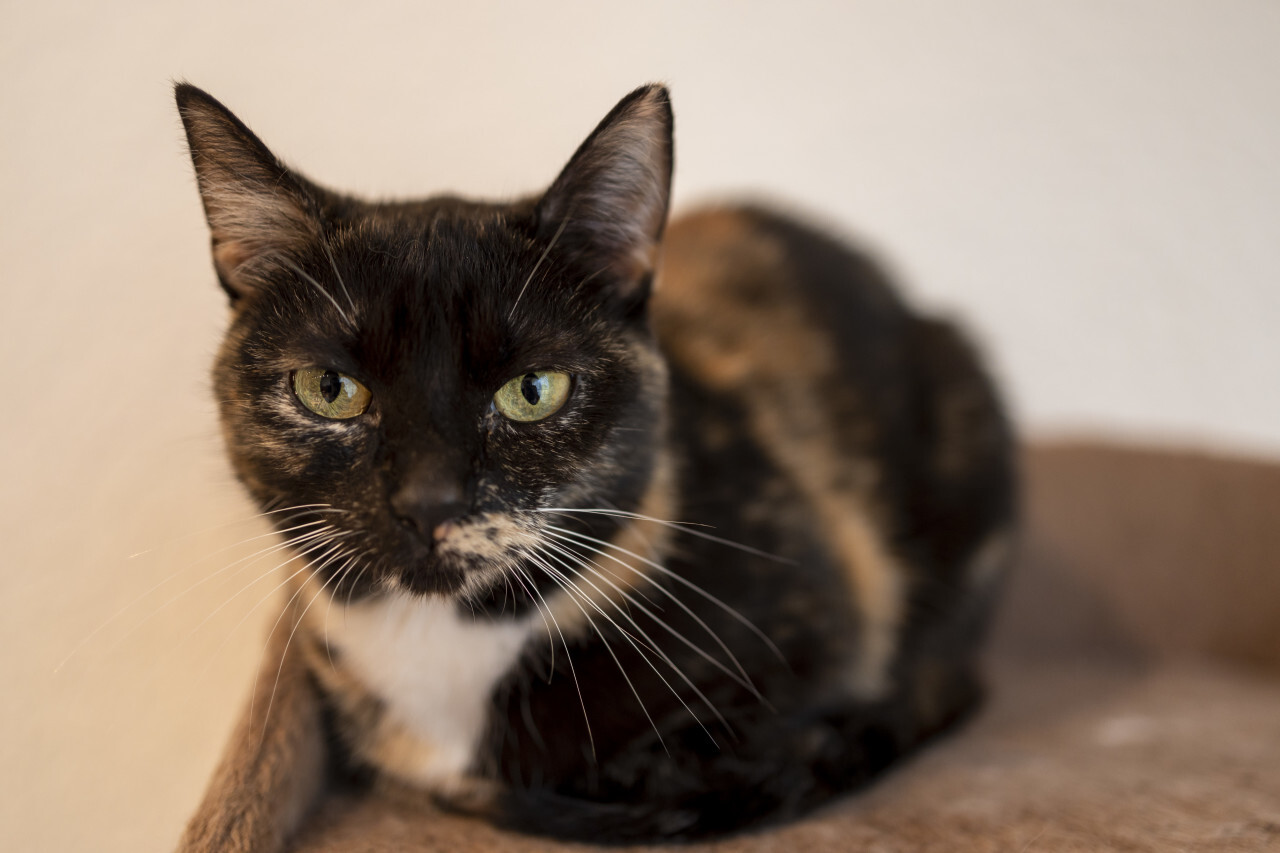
[
  {"x": 609, "y": 205},
  {"x": 258, "y": 210}
]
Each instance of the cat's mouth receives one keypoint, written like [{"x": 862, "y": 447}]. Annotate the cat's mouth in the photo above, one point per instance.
[
  {"x": 464, "y": 557},
  {"x": 517, "y": 556}
]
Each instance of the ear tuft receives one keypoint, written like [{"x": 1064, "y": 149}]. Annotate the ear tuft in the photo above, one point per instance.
[
  {"x": 256, "y": 207},
  {"x": 611, "y": 200}
]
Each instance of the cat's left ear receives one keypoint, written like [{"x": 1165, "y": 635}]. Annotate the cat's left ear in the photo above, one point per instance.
[
  {"x": 609, "y": 205},
  {"x": 259, "y": 211}
]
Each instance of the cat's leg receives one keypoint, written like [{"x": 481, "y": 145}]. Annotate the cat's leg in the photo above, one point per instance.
[
  {"x": 273, "y": 769},
  {"x": 687, "y": 787}
]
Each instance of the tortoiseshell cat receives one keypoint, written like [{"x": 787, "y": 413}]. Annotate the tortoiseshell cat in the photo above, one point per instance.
[{"x": 630, "y": 535}]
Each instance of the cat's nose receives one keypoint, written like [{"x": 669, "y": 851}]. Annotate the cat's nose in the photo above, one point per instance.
[{"x": 428, "y": 501}]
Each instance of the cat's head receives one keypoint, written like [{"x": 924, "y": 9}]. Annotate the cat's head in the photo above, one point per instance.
[{"x": 410, "y": 386}]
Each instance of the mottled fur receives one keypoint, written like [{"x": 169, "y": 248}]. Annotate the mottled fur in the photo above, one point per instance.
[{"x": 526, "y": 636}]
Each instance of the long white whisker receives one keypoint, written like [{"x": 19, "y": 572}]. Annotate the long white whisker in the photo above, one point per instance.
[
  {"x": 324, "y": 244},
  {"x": 175, "y": 650},
  {"x": 301, "y": 555},
  {"x": 532, "y": 588},
  {"x": 689, "y": 527},
  {"x": 323, "y": 561},
  {"x": 246, "y": 560},
  {"x": 343, "y": 570},
  {"x": 317, "y": 540},
  {"x": 134, "y": 602},
  {"x": 652, "y": 644},
  {"x": 738, "y": 677},
  {"x": 658, "y": 567},
  {"x": 554, "y": 238},
  {"x": 305, "y": 276},
  {"x": 284, "y": 653},
  {"x": 355, "y": 583},
  {"x": 570, "y": 591},
  {"x": 224, "y": 524},
  {"x": 562, "y": 535},
  {"x": 649, "y": 644},
  {"x": 646, "y": 645}
]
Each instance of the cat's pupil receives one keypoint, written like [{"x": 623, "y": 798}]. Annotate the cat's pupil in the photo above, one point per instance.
[
  {"x": 531, "y": 388},
  {"x": 330, "y": 386}
]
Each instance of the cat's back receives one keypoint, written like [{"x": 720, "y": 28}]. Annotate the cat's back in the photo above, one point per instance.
[
  {"x": 803, "y": 335},
  {"x": 747, "y": 295},
  {"x": 812, "y": 341},
  {"x": 878, "y": 424}
]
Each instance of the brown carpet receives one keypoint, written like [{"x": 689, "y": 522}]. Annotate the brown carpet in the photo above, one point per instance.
[{"x": 1135, "y": 679}]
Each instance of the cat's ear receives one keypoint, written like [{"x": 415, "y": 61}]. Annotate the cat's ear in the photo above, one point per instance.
[
  {"x": 258, "y": 210},
  {"x": 609, "y": 205}
]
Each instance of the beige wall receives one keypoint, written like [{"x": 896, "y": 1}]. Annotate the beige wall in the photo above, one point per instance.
[{"x": 1094, "y": 185}]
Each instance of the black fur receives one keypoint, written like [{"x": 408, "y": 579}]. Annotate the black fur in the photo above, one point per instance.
[
  {"x": 433, "y": 305},
  {"x": 772, "y": 763}
]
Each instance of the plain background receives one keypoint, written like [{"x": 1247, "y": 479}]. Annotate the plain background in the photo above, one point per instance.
[{"x": 1094, "y": 186}]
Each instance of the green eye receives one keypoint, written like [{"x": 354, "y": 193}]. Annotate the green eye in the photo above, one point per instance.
[
  {"x": 533, "y": 396},
  {"x": 330, "y": 394}
]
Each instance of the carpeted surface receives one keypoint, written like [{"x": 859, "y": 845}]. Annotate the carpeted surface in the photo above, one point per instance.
[{"x": 1135, "y": 679}]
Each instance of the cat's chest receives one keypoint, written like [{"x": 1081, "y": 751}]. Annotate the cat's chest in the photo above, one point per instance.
[{"x": 432, "y": 671}]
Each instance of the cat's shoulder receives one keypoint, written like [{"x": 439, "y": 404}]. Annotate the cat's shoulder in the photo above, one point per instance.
[
  {"x": 745, "y": 292},
  {"x": 755, "y": 252}
]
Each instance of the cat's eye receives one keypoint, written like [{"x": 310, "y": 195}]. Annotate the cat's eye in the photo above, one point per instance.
[
  {"x": 330, "y": 394},
  {"x": 533, "y": 396}
]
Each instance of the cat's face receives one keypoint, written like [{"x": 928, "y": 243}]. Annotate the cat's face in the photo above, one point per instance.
[{"x": 410, "y": 387}]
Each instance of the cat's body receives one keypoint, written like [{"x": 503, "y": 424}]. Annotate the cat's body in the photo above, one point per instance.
[{"x": 522, "y": 635}]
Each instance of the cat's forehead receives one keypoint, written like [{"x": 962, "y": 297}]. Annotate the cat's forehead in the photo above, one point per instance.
[
  {"x": 420, "y": 262},
  {"x": 448, "y": 240},
  {"x": 449, "y": 282}
]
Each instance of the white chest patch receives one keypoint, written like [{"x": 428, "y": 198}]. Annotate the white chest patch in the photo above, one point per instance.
[{"x": 435, "y": 670}]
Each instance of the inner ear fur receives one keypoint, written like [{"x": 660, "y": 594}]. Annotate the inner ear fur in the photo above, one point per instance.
[
  {"x": 257, "y": 209},
  {"x": 609, "y": 204}
]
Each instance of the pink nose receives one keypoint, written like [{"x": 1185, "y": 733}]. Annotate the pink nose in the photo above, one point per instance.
[
  {"x": 444, "y": 529},
  {"x": 429, "y": 505}
]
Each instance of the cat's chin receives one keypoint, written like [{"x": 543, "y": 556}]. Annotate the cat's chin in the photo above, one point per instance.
[
  {"x": 427, "y": 582},
  {"x": 467, "y": 568},
  {"x": 442, "y": 576}
]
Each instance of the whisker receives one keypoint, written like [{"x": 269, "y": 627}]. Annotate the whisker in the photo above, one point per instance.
[
  {"x": 647, "y": 642},
  {"x": 324, "y": 561},
  {"x": 301, "y": 555},
  {"x": 289, "y": 641},
  {"x": 344, "y": 570},
  {"x": 133, "y": 603},
  {"x": 355, "y": 583},
  {"x": 172, "y": 540},
  {"x": 739, "y": 678},
  {"x": 247, "y": 561},
  {"x": 521, "y": 572},
  {"x": 531, "y": 589},
  {"x": 175, "y": 650},
  {"x": 658, "y": 567},
  {"x": 569, "y": 591},
  {"x": 328, "y": 252},
  {"x": 305, "y": 276},
  {"x": 653, "y": 645},
  {"x": 674, "y": 598},
  {"x": 682, "y": 526},
  {"x": 547, "y": 251}
]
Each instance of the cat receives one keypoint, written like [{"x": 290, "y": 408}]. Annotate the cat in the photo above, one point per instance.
[{"x": 606, "y": 529}]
